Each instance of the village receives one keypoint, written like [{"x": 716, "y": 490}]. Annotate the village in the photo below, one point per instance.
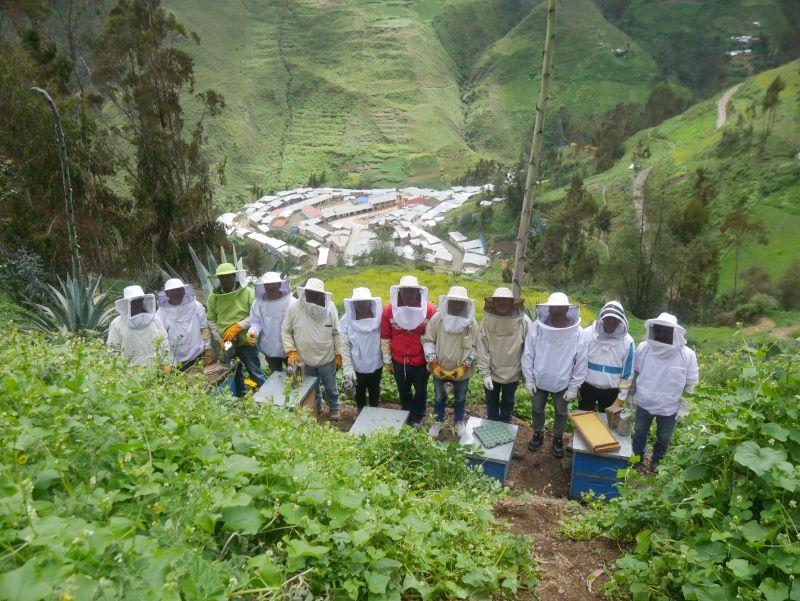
[{"x": 336, "y": 226}]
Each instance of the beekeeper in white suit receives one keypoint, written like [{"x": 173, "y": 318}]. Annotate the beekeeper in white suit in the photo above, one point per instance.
[
  {"x": 610, "y": 360},
  {"x": 272, "y": 302},
  {"x": 665, "y": 371},
  {"x": 311, "y": 339},
  {"x": 554, "y": 365},
  {"x": 449, "y": 343},
  {"x": 184, "y": 319},
  {"x": 501, "y": 339},
  {"x": 136, "y": 334},
  {"x": 360, "y": 340}
]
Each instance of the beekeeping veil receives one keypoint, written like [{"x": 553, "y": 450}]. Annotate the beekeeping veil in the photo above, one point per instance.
[
  {"x": 457, "y": 310},
  {"x": 365, "y": 324},
  {"x": 611, "y": 309},
  {"x": 123, "y": 306},
  {"x": 269, "y": 281},
  {"x": 558, "y": 305},
  {"x": 664, "y": 336},
  {"x": 317, "y": 289},
  {"x": 226, "y": 269},
  {"x": 499, "y": 296},
  {"x": 409, "y": 314},
  {"x": 184, "y": 311}
]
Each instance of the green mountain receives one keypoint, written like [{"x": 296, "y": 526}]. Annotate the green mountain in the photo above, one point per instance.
[{"x": 762, "y": 180}]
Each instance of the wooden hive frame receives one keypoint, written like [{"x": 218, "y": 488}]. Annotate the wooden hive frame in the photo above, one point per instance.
[{"x": 594, "y": 432}]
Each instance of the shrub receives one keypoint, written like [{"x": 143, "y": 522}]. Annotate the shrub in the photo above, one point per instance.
[
  {"x": 120, "y": 483},
  {"x": 74, "y": 306},
  {"x": 22, "y": 276},
  {"x": 789, "y": 287}
]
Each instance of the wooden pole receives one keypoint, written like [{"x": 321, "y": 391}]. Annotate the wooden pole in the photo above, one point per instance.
[
  {"x": 536, "y": 153},
  {"x": 62, "y": 153}
]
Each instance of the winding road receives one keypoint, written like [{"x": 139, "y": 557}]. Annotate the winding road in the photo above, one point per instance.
[
  {"x": 722, "y": 105},
  {"x": 639, "y": 183}
]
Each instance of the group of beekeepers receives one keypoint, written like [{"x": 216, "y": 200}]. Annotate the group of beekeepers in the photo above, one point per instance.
[{"x": 412, "y": 339}]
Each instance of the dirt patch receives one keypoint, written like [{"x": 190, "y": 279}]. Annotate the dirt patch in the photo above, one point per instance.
[
  {"x": 787, "y": 333},
  {"x": 762, "y": 325},
  {"x": 565, "y": 566}
]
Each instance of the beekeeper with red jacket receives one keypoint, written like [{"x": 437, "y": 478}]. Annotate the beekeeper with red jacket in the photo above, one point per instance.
[{"x": 402, "y": 326}]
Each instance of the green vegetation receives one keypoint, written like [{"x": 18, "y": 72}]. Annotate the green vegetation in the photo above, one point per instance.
[
  {"x": 121, "y": 483},
  {"x": 720, "y": 519}
]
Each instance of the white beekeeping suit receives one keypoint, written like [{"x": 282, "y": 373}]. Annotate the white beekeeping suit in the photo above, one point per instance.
[
  {"x": 610, "y": 354},
  {"x": 451, "y": 335},
  {"x": 360, "y": 334},
  {"x": 273, "y": 300},
  {"x": 136, "y": 333},
  {"x": 554, "y": 358},
  {"x": 184, "y": 319},
  {"x": 665, "y": 368}
]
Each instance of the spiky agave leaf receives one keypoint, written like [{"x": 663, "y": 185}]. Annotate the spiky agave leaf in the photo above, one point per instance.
[{"x": 74, "y": 306}]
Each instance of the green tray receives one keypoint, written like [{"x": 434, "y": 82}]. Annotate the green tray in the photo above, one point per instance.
[{"x": 493, "y": 435}]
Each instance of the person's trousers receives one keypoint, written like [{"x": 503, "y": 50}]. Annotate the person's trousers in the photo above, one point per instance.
[
  {"x": 407, "y": 377},
  {"x": 538, "y": 404},
  {"x": 596, "y": 399},
  {"x": 248, "y": 355},
  {"x": 275, "y": 363},
  {"x": 326, "y": 375},
  {"x": 500, "y": 401},
  {"x": 665, "y": 426},
  {"x": 369, "y": 383},
  {"x": 459, "y": 399},
  {"x": 187, "y": 365}
]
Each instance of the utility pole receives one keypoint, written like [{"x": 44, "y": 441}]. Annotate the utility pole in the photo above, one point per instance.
[
  {"x": 62, "y": 153},
  {"x": 536, "y": 153}
]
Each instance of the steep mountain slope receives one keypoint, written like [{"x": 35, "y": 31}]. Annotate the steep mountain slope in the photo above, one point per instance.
[
  {"x": 765, "y": 183},
  {"x": 588, "y": 78},
  {"x": 390, "y": 91}
]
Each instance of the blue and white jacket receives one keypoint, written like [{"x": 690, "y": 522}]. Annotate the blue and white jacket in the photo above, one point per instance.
[{"x": 611, "y": 356}]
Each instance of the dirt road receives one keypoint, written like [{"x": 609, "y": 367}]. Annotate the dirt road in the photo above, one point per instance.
[{"x": 722, "y": 105}]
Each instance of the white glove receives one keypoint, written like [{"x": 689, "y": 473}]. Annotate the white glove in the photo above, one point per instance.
[
  {"x": 531, "y": 388},
  {"x": 683, "y": 410},
  {"x": 387, "y": 359},
  {"x": 487, "y": 383},
  {"x": 430, "y": 357},
  {"x": 571, "y": 394},
  {"x": 349, "y": 374}
]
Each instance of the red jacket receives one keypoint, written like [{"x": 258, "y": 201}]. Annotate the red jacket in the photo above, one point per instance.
[{"x": 405, "y": 344}]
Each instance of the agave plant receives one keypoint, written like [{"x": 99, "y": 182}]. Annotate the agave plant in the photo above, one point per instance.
[{"x": 75, "y": 306}]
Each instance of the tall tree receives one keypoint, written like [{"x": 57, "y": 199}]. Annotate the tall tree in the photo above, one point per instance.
[
  {"x": 769, "y": 104},
  {"x": 141, "y": 68},
  {"x": 739, "y": 228}
]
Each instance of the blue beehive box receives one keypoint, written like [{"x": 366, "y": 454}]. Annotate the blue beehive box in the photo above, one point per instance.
[
  {"x": 495, "y": 461},
  {"x": 597, "y": 472}
]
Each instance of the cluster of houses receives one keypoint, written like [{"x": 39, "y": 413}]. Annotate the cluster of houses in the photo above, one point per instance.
[{"x": 336, "y": 226}]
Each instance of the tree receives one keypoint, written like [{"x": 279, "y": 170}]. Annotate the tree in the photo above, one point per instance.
[
  {"x": 738, "y": 228},
  {"x": 534, "y": 161},
  {"x": 142, "y": 69},
  {"x": 769, "y": 105}
]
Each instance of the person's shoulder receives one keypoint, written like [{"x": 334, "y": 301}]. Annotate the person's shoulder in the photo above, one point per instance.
[
  {"x": 689, "y": 352},
  {"x": 431, "y": 309}
]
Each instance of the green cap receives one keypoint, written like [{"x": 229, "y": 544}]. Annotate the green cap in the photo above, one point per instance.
[{"x": 224, "y": 269}]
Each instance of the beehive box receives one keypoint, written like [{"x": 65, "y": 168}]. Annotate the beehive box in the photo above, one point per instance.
[
  {"x": 597, "y": 472},
  {"x": 496, "y": 461},
  {"x": 374, "y": 419}
]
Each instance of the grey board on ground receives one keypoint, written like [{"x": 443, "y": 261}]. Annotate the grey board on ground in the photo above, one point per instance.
[
  {"x": 274, "y": 391},
  {"x": 372, "y": 419}
]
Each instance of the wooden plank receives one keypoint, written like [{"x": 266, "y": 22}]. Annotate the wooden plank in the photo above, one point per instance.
[{"x": 594, "y": 431}]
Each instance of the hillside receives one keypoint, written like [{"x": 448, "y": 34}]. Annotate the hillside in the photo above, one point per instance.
[
  {"x": 766, "y": 183},
  {"x": 395, "y": 92}
]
